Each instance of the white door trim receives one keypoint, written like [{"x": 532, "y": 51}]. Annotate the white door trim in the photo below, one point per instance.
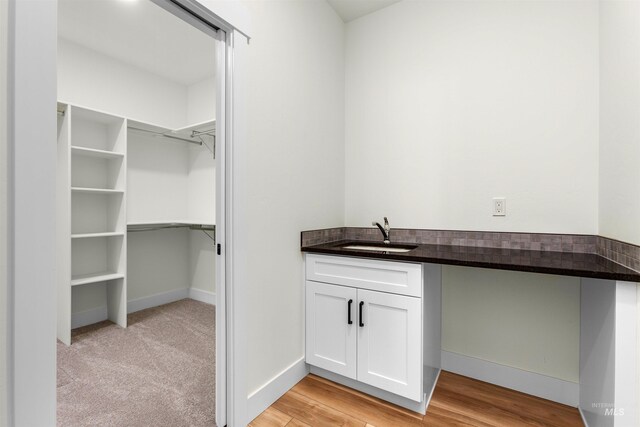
[{"x": 32, "y": 212}]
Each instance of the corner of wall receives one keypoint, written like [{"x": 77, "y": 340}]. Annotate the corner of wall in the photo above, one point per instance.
[
  {"x": 619, "y": 135},
  {"x": 264, "y": 397}
]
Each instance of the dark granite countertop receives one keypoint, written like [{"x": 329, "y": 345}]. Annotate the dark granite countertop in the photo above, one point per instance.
[{"x": 547, "y": 262}]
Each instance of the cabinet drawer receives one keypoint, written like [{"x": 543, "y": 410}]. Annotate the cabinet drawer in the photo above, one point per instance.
[{"x": 385, "y": 276}]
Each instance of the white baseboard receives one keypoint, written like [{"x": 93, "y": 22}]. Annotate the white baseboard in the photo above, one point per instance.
[
  {"x": 262, "y": 398},
  {"x": 95, "y": 315},
  {"x": 156, "y": 300},
  {"x": 430, "y": 382},
  {"x": 202, "y": 296},
  {"x": 565, "y": 392},
  {"x": 89, "y": 317},
  {"x": 584, "y": 420}
]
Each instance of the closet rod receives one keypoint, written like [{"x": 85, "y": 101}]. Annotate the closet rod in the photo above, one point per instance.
[
  {"x": 164, "y": 135},
  {"x": 198, "y": 227},
  {"x": 162, "y": 226}
]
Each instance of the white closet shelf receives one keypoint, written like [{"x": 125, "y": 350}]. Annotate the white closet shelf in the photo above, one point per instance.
[
  {"x": 197, "y": 126},
  {"x": 85, "y": 279},
  {"x": 88, "y": 190},
  {"x": 89, "y": 235},
  {"x": 92, "y": 152}
]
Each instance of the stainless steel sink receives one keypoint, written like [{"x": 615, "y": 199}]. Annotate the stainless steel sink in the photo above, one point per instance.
[{"x": 381, "y": 248}]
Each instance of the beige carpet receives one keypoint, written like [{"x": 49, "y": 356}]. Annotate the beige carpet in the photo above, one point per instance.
[{"x": 160, "y": 371}]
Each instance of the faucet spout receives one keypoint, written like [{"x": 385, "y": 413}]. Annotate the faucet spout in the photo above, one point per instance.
[{"x": 384, "y": 230}]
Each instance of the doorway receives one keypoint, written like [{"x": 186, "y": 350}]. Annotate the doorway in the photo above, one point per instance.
[{"x": 140, "y": 213}]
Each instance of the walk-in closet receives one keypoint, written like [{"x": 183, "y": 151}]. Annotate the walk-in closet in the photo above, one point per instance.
[{"x": 136, "y": 200}]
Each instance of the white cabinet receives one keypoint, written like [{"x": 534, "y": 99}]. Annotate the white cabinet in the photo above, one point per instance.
[{"x": 366, "y": 335}]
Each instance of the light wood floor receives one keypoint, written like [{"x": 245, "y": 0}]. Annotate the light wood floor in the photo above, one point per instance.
[{"x": 457, "y": 401}]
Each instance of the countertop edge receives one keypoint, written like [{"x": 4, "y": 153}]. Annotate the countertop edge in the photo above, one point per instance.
[{"x": 631, "y": 276}]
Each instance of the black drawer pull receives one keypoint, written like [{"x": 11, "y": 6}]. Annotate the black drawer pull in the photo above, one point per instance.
[
  {"x": 349, "y": 321},
  {"x": 360, "y": 319}
]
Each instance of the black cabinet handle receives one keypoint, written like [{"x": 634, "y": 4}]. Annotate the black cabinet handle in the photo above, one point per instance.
[
  {"x": 349, "y": 321},
  {"x": 360, "y": 317}
]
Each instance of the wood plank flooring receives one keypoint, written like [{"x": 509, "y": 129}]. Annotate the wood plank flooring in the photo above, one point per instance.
[{"x": 457, "y": 401}]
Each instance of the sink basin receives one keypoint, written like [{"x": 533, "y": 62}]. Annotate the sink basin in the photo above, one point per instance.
[{"x": 380, "y": 248}]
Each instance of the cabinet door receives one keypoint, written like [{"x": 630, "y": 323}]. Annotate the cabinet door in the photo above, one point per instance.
[
  {"x": 390, "y": 343},
  {"x": 330, "y": 338}
]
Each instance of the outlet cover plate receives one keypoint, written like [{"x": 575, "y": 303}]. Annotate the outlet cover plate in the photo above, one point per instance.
[{"x": 499, "y": 206}]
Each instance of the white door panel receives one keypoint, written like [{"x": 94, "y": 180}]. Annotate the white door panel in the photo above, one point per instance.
[
  {"x": 330, "y": 339},
  {"x": 390, "y": 343}
]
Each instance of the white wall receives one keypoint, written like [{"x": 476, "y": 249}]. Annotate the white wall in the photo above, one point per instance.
[
  {"x": 523, "y": 320},
  {"x": 201, "y": 184},
  {"x": 3, "y": 213},
  {"x": 451, "y": 103},
  {"x": 201, "y": 208},
  {"x": 202, "y": 262},
  {"x": 90, "y": 79},
  {"x": 289, "y": 169},
  {"x": 201, "y": 101},
  {"x": 620, "y": 120},
  {"x": 158, "y": 261},
  {"x": 157, "y": 179}
]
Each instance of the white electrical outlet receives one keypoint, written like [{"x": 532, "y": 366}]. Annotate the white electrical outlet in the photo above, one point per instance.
[{"x": 499, "y": 206}]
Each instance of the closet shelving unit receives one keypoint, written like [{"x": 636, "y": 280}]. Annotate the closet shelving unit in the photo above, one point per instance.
[
  {"x": 95, "y": 201},
  {"x": 92, "y": 239}
]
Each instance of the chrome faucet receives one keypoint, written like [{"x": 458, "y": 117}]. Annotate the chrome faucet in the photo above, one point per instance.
[{"x": 384, "y": 230}]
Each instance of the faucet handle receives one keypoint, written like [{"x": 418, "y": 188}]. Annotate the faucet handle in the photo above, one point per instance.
[{"x": 386, "y": 223}]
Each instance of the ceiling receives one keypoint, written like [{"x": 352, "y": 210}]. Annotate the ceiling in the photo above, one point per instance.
[
  {"x": 141, "y": 34},
  {"x": 349, "y": 10}
]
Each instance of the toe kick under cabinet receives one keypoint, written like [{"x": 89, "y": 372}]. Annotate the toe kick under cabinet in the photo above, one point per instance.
[{"x": 364, "y": 322}]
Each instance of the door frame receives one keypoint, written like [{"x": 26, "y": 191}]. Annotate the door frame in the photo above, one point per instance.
[{"x": 31, "y": 301}]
